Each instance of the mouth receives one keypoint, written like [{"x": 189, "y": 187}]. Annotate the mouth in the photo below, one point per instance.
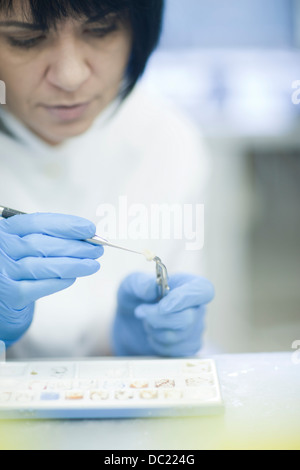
[{"x": 67, "y": 113}]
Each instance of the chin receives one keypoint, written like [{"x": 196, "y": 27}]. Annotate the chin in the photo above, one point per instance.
[{"x": 64, "y": 132}]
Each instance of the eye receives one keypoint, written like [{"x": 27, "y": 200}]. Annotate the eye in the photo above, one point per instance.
[
  {"x": 26, "y": 43},
  {"x": 102, "y": 32}
]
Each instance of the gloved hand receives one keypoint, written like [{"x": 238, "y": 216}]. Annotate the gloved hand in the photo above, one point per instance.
[
  {"x": 40, "y": 254},
  {"x": 171, "y": 327}
]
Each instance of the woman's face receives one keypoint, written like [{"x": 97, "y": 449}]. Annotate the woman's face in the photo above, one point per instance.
[{"x": 59, "y": 81}]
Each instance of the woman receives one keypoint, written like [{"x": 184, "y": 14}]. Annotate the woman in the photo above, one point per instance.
[{"x": 76, "y": 133}]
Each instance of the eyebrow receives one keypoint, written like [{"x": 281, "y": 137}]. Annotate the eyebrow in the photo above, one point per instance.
[
  {"x": 103, "y": 17},
  {"x": 37, "y": 27},
  {"x": 19, "y": 24}
]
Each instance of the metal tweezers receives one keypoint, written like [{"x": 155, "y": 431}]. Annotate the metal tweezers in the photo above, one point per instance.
[{"x": 161, "y": 278}]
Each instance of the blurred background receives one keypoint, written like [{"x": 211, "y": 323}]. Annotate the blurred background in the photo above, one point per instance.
[{"x": 230, "y": 66}]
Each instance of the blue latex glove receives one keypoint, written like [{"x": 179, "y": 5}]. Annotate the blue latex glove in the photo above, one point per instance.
[
  {"x": 40, "y": 254},
  {"x": 172, "y": 327}
]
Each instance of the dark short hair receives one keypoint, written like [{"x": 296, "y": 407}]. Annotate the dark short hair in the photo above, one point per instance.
[{"x": 145, "y": 18}]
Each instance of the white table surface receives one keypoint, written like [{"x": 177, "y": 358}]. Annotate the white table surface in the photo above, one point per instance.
[{"x": 262, "y": 411}]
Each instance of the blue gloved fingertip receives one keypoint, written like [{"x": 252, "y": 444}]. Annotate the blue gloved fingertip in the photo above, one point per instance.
[{"x": 140, "y": 312}]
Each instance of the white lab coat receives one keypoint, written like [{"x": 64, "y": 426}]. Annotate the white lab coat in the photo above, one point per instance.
[{"x": 146, "y": 153}]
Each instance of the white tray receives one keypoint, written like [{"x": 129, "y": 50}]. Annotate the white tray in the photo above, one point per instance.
[{"x": 109, "y": 389}]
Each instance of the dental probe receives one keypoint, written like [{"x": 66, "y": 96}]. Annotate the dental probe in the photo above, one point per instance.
[
  {"x": 97, "y": 240},
  {"x": 161, "y": 270},
  {"x": 6, "y": 213}
]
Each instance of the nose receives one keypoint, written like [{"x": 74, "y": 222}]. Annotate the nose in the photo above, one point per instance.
[{"x": 69, "y": 69}]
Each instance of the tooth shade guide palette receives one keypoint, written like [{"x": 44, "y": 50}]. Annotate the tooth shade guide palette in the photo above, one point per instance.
[{"x": 109, "y": 389}]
